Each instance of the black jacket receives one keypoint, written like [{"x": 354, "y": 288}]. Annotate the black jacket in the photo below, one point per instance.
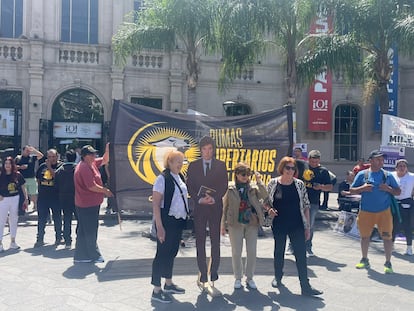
[{"x": 64, "y": 181}]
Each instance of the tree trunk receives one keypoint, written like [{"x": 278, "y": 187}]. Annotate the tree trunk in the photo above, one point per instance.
[
  {"x": 383, "y": 98},
  {"x": 191, "y": 98}
]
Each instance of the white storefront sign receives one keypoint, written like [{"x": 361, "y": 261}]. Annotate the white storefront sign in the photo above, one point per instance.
[{"x": 77, "y": 130}]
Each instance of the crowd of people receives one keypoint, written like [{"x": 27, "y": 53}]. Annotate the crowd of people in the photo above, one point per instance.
[
  {"x": 68, "y": 190},
  {"x": 74, "y": 189},
  {"x": 238, "y": 208}
]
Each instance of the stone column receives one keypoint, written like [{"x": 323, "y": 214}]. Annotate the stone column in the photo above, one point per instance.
[
  {"x": 177, "y": 82},
  {"x": 36, "y": 106},
  {"x": 117, "y": 77}
]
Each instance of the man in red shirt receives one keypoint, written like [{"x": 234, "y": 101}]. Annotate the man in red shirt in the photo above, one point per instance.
[
  {"x": 89, "y": 194},
  {"x": 360, "y": 166}
]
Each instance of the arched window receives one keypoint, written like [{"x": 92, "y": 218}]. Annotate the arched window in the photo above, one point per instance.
[
  {"x": 80, "y": 21},
  {"x": 346, "y": 132},
  {"x": 77, "y": 105}
]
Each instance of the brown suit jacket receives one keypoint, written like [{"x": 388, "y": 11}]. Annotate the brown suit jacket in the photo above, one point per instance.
[{"x": 216, "y": 179}]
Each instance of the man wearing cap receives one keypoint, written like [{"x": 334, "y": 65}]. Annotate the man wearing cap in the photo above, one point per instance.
[
  {"x": 48, "y": 198},
  {"x": 316, "y": 179},
  {"x": 89, "y": 194},
  {"x": 405, "y": 180},
  {"x": 375, "y": 187},
  {"x": 211, "y": 173}
]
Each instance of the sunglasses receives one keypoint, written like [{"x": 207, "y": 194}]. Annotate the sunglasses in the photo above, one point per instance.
[
  {"x": 244, "y": 174},
  {"x": 290, "y": 168}
]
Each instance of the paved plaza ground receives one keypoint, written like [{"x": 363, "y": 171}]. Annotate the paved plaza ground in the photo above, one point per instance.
[{"x": 47, "y": 279}]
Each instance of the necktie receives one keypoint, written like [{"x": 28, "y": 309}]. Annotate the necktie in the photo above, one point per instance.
[{"x": 207, "y": 168}]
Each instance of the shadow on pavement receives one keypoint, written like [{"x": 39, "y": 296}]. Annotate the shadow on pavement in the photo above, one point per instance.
[
  {"x": 250, "y": 299},
  {"x": 50, "y": 251},
  {"x": 141, "y": 268},
  {"x": 81, "y": 271},
  {"x": 328, "y": 264},
  {"x": 204, "y": 302},
  {"x": 285, "y": 298},
  {"x": 405, "y": 281}
]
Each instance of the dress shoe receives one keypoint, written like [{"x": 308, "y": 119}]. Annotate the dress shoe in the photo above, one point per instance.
[{"x": 310, "y": 291}]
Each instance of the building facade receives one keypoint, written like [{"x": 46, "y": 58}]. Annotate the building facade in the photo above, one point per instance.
[{"x": 58, "y": 82}]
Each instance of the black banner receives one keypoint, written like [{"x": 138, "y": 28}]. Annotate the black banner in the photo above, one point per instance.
[{"x": 141, "y": 136}]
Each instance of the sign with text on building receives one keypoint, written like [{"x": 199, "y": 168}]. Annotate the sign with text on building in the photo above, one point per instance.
[
  {"x": 77, "y": 130},
  {"x": 320, "y": 92},
  {"x": 7, "y": 121},
  {"x": 392, "y": 88},
  {"x": 397, "y": 131},
  {"x": 391, "y": 155}
]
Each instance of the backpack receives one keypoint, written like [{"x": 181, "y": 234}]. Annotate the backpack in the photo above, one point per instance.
[{"x": 395, "y": 204}]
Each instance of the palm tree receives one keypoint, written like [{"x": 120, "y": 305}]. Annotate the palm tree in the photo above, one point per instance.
[
  {"x": 365, "y": 30},
  {"x": 165, "y": 25},
  {"x": 248, "y": 29}
]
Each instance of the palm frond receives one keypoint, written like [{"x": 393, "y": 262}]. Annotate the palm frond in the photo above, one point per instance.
[
  {"x": 132, "y": 38},
  {"x": 332, "y": 52},
  {"x": 404, "y": 34}
]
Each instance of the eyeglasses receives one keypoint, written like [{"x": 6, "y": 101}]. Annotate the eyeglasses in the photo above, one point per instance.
[{"x": 290, "y": 168}]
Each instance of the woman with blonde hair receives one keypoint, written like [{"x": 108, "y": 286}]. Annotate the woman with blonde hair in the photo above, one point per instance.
[
  {"x": 289, "y": 205},
  {"x": 170, "y": 211},
  {"x": 242, "y": 216}
]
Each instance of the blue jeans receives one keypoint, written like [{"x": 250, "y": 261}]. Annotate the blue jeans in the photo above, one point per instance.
[
  {"x": 314, "y": 208},
  {"x": 43, "y": 208}
]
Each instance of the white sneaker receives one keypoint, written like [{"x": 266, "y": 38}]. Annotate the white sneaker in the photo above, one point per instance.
[
  {"x": 251, "y": 284},
  {"x": 13, "y": 245},
  {"x": 409, "y": 251},
  {"x": 237, "y": 284},
  {"x": 310, "y": 253},
  {"x": 289, "y": 250}
]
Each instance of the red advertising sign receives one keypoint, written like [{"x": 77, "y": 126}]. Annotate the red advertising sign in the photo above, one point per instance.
[{"x": 320, "y": 93}]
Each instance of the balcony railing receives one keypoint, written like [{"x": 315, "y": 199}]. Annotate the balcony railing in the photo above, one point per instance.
[
  {"x": 154, "y": 61},
  {"x": 11, "y": 52},
  {"x": 76, "y": 56}
]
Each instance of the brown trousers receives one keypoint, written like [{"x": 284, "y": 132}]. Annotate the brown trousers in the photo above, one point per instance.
[{"x": 210, "y": 215}]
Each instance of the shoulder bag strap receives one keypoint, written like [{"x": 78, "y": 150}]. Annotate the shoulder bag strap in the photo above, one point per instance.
[{"x": 182, "y": 195}]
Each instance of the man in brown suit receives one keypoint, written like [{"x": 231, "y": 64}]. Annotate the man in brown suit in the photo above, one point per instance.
[{"x": 210, "y": 173}]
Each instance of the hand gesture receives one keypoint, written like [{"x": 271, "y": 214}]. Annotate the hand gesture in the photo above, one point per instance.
[
  {"x": 161, "y": 233},
  {"x": 367, "y": 187},
  {"x": 307, "y": 234}
]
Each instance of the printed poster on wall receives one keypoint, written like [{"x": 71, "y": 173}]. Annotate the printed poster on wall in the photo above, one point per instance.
[
  {"x": 7, "y": 121},
  {"x": 320, "y": 92}
]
